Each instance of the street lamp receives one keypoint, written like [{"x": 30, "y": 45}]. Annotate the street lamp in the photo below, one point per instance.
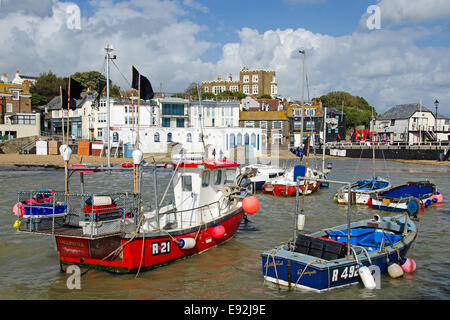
[{"x": 436, "y": 103}]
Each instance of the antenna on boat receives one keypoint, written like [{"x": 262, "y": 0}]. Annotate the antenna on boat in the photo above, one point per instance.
[{"x": 303, "y": 92}]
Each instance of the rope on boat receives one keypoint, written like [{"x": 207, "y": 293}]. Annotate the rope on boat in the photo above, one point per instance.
[
  {"x": 306, "y": 267},
  {"x": 118, "y": 250}
]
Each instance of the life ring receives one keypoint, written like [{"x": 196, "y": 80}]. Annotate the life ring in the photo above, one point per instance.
[{"x": 413, "y": 206}]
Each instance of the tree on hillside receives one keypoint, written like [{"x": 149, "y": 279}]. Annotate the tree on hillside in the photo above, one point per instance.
[
  {"x": 47, "y": 86},
  {"x": 356, "y": 109}
]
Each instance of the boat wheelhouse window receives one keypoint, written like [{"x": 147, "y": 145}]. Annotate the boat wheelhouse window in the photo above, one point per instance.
[
  {"x": 230, "y": 175},
  {"x": 186, "y": 183},
  {"x": 218, "y": 177},
  {"x": 272, "y": 175},
  {"x": 205, "y": 179}
]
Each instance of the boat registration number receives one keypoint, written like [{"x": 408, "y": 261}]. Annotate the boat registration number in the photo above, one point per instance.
[
  {"x": 344, "y": 274},
  {"x": 160, "y": 247}
]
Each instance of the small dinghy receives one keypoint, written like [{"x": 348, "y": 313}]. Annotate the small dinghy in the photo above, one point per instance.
[
  {"x": 324, "y": 260},
  {"x": 412, "y": 197},
  {"x": 362, "y": 190},
  {"x": 263, "y": 174}
]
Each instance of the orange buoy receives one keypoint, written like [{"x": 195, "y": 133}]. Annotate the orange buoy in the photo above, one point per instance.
[
  {"x": 409, "y": 265},
  {"x": 250, "y": 204},
  {"x": 218, "y": 231}
]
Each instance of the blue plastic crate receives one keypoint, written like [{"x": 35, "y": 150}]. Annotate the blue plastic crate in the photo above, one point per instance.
[{"x": 43, "y": 209}]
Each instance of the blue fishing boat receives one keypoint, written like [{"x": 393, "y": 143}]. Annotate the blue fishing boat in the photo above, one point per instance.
[
  {"x": 341, "y": 256},
  {"x": 411, "y": 197},
  {"x": 361, "y": 191}
]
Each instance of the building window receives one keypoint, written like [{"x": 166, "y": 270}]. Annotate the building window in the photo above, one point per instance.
[
  {"x": 246, "y": 90},
  {"x": 23, "y": 119},
  {"x": 246, "y": 78},
  {"x": 166, "y": 122},
  {"x": 273, "y": 89},
  {"x": 255, "y": 89},
  {"x": 189, "y": 137},
  {"x": 234, "y": 88},
  {"x": 180, "y": 123},
  {"x": 156, "y": 137},
  {"x": 169, "y": 137},
  {"x": 173, "y": 109},
  {"x": 99, "y": 132},
  {"x": 297, "y": 112},
  {"x": 255, "y": 78},
  {"x": 206, "y": 89},
  {"x": 15, "y": 95},
  {"x": 392, "y": 122},
  {"x": 297, "y": 125},
  {"x": 310, "y": 112},
  {"x": 249, "y": 124},
  {"x": 101, "y": 118},
  {"x": 310, "y": 125},
  {"x": 277, "y": 125},
  {"x": 263, "y": 124},
  {"x": 9, "y": 107},
  {"x": 239, "y": 139}
]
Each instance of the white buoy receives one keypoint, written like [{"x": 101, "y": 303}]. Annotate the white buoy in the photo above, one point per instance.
[
  {"x": 367, "y": 278},
  {"x": 66, "y": 152},
  {"x": 137, "y": 156},
  {"x": 395, "y": 271},
  {"x": 300, "y": 222},
  {"x": 186, "y": 243}
]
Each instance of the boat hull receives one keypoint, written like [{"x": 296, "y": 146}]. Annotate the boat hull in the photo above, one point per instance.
[
  {"x": 397, "y": 199},
  {"x": 290, "y": 268},
  {"x": 147, "y": 251},
  {"x": 289, "y": 190}
]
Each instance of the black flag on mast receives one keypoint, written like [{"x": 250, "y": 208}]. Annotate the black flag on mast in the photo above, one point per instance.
[
  {"x": 64, "y": 98},
  {"x": 100, "y": 87},
  {"x": 75, "y": 89},
  {"x": 145, "y": 87}
]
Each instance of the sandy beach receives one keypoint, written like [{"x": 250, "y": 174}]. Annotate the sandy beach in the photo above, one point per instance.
[{"x": 57, "y": 161}]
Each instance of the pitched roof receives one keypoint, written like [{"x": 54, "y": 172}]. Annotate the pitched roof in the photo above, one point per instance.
[{"x": 402, "y": 111}]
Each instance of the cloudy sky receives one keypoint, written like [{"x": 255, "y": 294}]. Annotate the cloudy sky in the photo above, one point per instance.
[{"x": 396, "y": 52}]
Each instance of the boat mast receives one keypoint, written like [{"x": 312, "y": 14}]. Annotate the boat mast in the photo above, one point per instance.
[
  {"x": 324, "y": 137},
  {"x": 372, "y": 125},
  {"x": 108, "y": 50},
  {"x": 303, "y": 93}
]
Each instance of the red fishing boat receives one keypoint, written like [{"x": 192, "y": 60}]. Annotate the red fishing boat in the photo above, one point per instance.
[
  {"x": 113, "y": 232},
  {"x": 286, "y": 184}
]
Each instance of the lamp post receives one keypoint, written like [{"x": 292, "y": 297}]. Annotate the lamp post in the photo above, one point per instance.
[{"x": 436, "y": 103}]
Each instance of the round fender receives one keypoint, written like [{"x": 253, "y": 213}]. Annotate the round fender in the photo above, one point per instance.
[{"x": 413, "y": 206}]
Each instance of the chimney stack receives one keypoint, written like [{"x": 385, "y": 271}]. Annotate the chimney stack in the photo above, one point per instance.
[{"x": 4, "y": 78}]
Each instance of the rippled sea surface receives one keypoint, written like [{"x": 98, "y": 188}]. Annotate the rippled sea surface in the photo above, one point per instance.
[{"x": 233, "y": 270}]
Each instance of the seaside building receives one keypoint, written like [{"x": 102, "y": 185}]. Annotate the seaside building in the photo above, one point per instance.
[
  {"x": 214, "y": 114},
  {"x": 17, "y": 120},
  {"x": 412, "y": 124},
  {"x": 251, "y": 82}
]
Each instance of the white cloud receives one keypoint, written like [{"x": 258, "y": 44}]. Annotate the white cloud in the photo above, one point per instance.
[
  {"x": 195, "y": 5},
  {"x": 400, "y": 12},
  {"x": 384, "y": 66}
]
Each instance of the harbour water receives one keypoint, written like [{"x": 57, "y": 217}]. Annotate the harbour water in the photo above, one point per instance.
[{"x": 233, "y": 270}]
